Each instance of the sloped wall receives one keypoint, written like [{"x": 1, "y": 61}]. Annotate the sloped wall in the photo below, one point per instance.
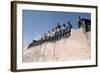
[{"x": 76, "y": 47}]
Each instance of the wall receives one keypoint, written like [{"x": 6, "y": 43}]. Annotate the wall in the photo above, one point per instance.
[{"x": 5, "y": 37}]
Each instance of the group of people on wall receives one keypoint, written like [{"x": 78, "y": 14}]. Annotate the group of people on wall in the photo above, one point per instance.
[{"x": 57, "y": 33}]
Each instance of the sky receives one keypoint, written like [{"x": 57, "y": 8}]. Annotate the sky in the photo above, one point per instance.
[{"x": 36, "y": 23}]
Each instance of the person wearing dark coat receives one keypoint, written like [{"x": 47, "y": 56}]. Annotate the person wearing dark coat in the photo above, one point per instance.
[
  {"x": 44, "y": 38},
  {"x": 64, "y": 30},
  {"x": 79, "y": 21},
  {"x": 53, "y": 35},
  {"x": 48, "y": 36},
  {"x": 69, "y": 29},
  {"x": 58, "y": 28}
]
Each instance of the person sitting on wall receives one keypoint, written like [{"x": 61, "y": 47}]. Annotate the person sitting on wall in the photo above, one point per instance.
[
  {"x": 39, "y": 42},
  {"x": 48, "y": 36},
  {"x": 53, "y": 35},
  {"x": 34, "y": 43},
  {"x": 44, "y": 38},
  {"x": 58, "y": 31},
  {"x": 41, "y": 39},
  {"x": 68, "y": 29},
  {"x": 64, "y": 31}
]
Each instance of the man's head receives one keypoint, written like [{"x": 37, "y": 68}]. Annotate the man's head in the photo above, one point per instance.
[{"x": 64, "y": 25}]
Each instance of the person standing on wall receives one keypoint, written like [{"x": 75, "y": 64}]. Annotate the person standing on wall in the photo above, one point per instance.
[
  {"x": 69, "y": 28},
  {"x": 79, "y": 22}
]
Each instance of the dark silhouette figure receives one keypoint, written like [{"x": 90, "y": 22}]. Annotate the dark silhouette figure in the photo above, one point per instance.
[
  {"x": 86, "y": 25},
  {"x": 48, "y": 36},
  {"x": 64, "y": 31},
  {"x": 53, "y": 35},
  {"x": 69, "y": 29},
  {"x": 44, "y": 38},
  {"x": 56, "y": 34},
  {"x": 58, "y": 31},
  {"x": 79, "y": 22},
  {"x": 32, "y": 44}
]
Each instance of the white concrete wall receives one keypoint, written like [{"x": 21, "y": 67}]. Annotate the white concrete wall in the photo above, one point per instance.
[{"x": 75, "y": 47}]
